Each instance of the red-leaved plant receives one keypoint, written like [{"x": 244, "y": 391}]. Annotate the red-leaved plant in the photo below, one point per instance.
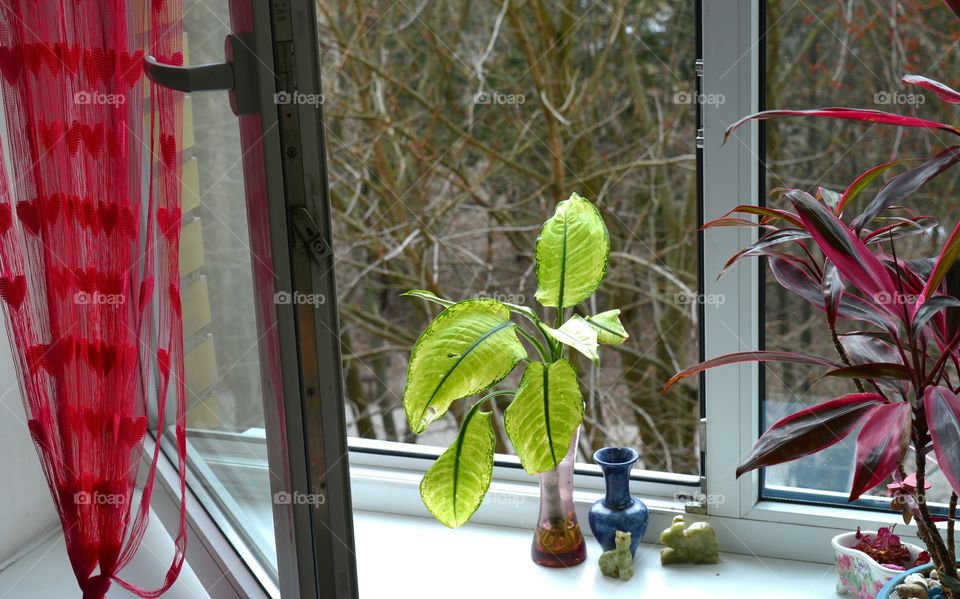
[{"x": 903, "y": 356}]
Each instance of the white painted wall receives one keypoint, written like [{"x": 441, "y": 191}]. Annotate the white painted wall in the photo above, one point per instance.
[{"x": 26, "y": 510}]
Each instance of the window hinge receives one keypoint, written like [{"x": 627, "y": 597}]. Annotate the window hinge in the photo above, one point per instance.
[
  {"x": 696, "y": 505},
  {"x": 309, "y": 234},
  {"x": 703, "y": 435},
  {"x": 698, "y": 69}
]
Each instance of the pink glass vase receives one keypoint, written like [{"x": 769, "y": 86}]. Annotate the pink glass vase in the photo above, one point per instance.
[{"x": 558, "y": 541}]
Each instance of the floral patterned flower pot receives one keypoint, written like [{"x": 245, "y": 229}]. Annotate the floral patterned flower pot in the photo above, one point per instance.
[{"x": 859, "y": 575}]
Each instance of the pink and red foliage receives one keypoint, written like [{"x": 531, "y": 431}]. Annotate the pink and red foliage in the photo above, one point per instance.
[{"x": 886, "y": 549}]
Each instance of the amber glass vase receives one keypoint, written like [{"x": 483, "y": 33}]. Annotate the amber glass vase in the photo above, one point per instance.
[{"x": 558, "y": 541}]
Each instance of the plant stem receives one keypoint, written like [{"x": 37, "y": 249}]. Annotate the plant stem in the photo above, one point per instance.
[
  {"x": 938, "y": 551},
  {"x": 557, "y": 323},
  {"x": 941, "y": 361},
  {"x": 544, "y": 355},
  {"x": 843, "y": 354},
  {"x": 530, "y": 315},
  {"x": 951, "y": 544},
  {"x": 495, "y": 394}
]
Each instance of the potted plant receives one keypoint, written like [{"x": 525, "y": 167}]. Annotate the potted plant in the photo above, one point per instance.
[
  {"x": 902, "y": 352},
  {"x": 867, "y": 560},
  {"x": 474, "y": 344}
]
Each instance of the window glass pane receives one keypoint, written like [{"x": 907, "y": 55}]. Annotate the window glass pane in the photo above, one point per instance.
[
  {"x": 227, "y": 460},
  {"x": 454, "y": 128},
  {"x": 827, "y": 53}
]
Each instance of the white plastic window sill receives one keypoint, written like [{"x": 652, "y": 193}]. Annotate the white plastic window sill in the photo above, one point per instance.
[
  {"x": 773, "y": 544},
  {"x": 403, "y": 553},
  {"x": 42, "y": 569},
  {"x": 769, "y": 529},
  {"x": 406, "y": 553}
]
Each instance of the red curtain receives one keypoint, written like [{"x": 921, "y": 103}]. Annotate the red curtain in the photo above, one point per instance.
[{"x": 89, "y": 233}]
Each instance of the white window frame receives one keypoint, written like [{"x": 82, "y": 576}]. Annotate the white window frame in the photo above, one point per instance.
[
  {"x": 385, "y": 476},
  {"x": 732, "y": 50}
]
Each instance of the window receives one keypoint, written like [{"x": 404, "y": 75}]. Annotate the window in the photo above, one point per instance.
[
  {"x": 444, "y": 162},
  {"x": 450, "y": 136},
  {"x": 825, "y": 53}
]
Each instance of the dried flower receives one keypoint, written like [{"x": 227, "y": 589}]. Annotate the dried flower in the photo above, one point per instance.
[{"x": 886, "y": 549}]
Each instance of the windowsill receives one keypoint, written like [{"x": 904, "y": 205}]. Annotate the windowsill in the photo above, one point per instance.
[
  {"x": 394, "y": 551},
  {"x": 495, "y": 561},
  {"x": 793, "y": 539},
  {"x": 377, "y": 472},
  {"x": 43, "y": 569},
  {"x": 490, "y": 560}
]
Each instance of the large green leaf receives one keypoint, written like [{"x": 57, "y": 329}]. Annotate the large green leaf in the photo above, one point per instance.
[
  {"x": 572, "y": 253},
  {"x": 544, "y": 415},
  {"x": 609, "y": 329},
  {"x": 432, "y": 297},
  {"x": 578, "y": 334},
  {"x": 453, "y": 488},
  {"x": 468, "y": 347}
]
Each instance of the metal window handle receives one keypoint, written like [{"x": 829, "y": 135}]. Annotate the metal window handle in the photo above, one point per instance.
[{"x": 235, "y": 74}]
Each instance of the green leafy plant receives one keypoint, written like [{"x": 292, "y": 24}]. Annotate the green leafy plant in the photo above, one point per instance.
[{"x": 472, "y": 345}]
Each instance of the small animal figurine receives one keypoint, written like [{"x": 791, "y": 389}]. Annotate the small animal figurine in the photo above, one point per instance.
[
  {"x": 695, "y": 545},
  {"x": 912, "y": 591},
  {"x": 618, "y": 562}
]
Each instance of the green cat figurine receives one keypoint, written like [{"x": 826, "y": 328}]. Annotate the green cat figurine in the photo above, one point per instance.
[{"x": 618, "y": 562}]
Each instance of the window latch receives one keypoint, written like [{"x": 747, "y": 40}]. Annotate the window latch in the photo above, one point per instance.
[{"x": 235, "y": 74}]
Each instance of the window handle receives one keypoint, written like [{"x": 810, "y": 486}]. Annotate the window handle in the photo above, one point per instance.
[{"x": 235, "y": 75}]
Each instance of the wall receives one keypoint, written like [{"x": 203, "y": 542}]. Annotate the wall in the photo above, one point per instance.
[{"x": 26, "y": 511}]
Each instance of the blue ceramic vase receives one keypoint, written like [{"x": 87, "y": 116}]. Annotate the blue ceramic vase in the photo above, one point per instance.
[{"x": 617, "y": 510}]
